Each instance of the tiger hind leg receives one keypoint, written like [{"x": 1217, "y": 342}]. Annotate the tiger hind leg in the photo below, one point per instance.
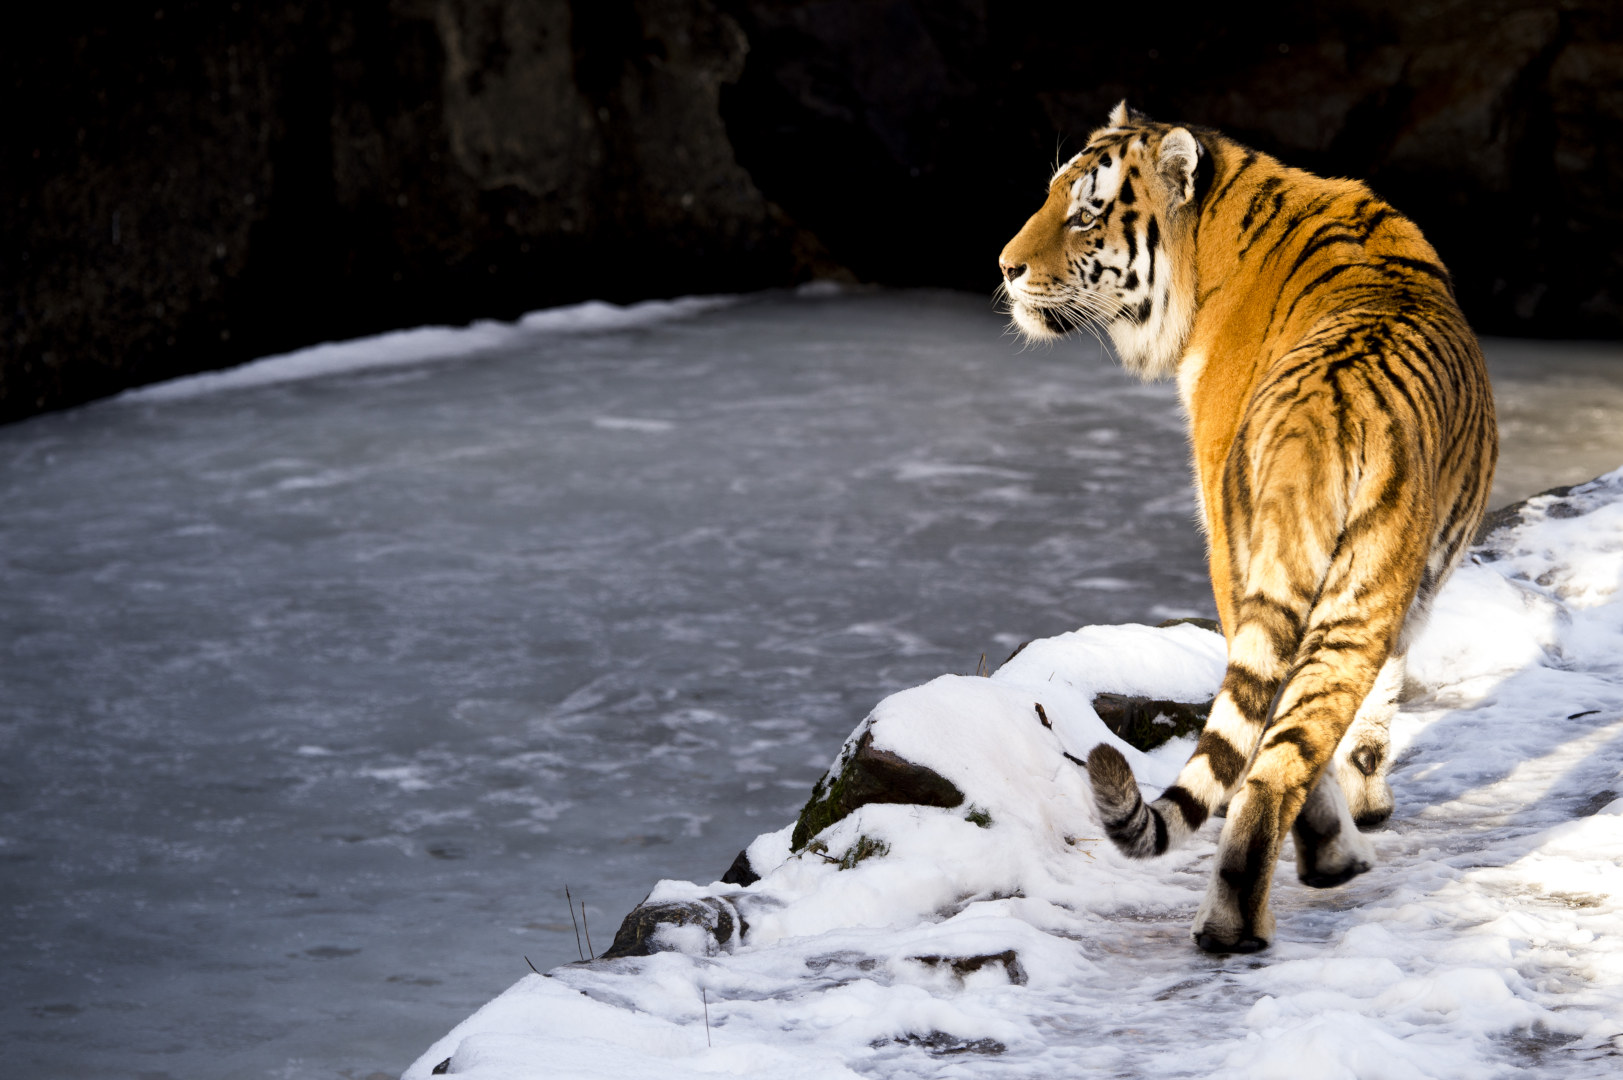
[
  {"x": 1349, "y": 636},
  {"x": 1364, "y": 756},
  {"x": 1329, "y": 848}
]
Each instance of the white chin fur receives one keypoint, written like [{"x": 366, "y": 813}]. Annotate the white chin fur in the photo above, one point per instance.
[{"x": 1029, "y": 323}]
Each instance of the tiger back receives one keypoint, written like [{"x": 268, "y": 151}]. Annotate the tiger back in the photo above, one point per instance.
[{"x": 1343, "y": 439}]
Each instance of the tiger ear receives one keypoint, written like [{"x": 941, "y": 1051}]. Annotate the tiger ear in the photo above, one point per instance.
[
  {"x": 1118, "y": 115},
  {"x": 1176, "y": 162}
]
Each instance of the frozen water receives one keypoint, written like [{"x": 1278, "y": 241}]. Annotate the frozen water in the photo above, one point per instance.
[
  {"x": 1560, "y": 406},
  {"x": 320, "y": 686}
]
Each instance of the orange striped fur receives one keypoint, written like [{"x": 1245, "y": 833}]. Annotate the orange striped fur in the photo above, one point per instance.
[{"x": 1344, "y": 442}]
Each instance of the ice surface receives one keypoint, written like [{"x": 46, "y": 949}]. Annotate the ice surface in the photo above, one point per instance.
[
  {"x": 1489, "y": 942},
  {"x": 323, "y": 678}
]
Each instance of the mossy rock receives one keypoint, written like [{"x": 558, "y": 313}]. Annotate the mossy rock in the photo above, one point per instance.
[
  {"x": 866, "y": 774},
  {"x": 639, "y": 932}
]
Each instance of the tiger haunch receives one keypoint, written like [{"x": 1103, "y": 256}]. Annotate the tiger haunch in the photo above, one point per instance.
[{"x": 1343, "y": 437}]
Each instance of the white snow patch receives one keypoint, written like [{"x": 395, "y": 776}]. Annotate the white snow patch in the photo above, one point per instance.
[
  {"x": 1002, "y": 938},
  {"x": 428, "y": 343}
]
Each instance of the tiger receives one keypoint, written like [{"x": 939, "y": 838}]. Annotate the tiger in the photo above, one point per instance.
[{"x": 1343, "y": 438}]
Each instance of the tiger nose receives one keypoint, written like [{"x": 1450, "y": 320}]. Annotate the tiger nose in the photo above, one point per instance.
[{"x": 1011, "y": 270}]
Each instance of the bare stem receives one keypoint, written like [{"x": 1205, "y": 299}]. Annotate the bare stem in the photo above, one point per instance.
[{"x": 570, "y": 901}]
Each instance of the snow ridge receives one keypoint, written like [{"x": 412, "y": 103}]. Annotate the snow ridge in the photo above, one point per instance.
[
  {"x": 1002, "y": 938},
  {"x": 425, "y": 343}
]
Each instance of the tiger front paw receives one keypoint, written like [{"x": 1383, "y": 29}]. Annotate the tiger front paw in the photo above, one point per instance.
[{"x": 1222, "y": 925}]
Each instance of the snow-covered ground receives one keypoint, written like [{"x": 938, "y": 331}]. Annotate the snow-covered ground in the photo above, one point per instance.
[
  {"x": 1488, "y": 942},
  {"x": 323, "y": 676}
]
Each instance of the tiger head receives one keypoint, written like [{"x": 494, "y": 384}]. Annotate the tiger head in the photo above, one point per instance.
[{"x": 1112, "y": 248}]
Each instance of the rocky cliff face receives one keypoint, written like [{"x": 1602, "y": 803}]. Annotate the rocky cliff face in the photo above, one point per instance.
[{"x": 189, "y": 185}]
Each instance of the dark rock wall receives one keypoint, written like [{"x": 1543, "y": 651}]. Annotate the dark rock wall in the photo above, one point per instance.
[
  {"x": 185, "y": 186},
  {"x": 190, "y": 185},
  {"x": 1498, "y": 125}
]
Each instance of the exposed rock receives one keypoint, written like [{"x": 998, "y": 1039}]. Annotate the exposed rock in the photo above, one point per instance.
[
  {"x": 1508, "y": 517},
  {"x": 1205, "y": 624},
  {"x": 740, "y": 873},
  {"x": 1147, "y": 723},
  {"x": 1460, "y": 113},
  {"x": 195, "y": 186},
  {"x": 866, "y": 774},
  {"x": 648, "y": 929},
  {"x": 965, "y": 965},
  {"x": 943, "y": 1044}
]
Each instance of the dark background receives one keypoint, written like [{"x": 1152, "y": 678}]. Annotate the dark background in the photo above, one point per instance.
[{"x": 186, "y": 186}]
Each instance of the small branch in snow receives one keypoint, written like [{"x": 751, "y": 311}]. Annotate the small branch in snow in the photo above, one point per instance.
[
  {"x": 1042, "y": 714},
  {"x": 705, "y": 994},
  {"x": 588, "y": 930},
  {"x": 532, "y": 966},
  {"x": 570, "y": 902}
]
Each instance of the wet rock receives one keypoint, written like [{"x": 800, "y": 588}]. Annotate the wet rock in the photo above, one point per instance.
[
  {"x": 740, "y": 873},
  {"x": 1205, "y": 624},
  {"x": 866, "y": 774},
  {"x": 1148, "y": 722},
  {"x": 965, "y": 965},
  {"x": 943, "y": 1044},
  {"x": 706, "y": 926},
  {"x": 1508, "y": 517}
]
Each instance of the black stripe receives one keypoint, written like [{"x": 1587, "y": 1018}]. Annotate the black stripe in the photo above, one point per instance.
[
  {"x": 1193, "y": 810},
  {"x": 1262, "y": 227},
  {"x": 1251, "y": 692},
  {"x": 1225, "y": 761},
  {"x": 1422, "y": 265},
  {"x": 1306, "y": 745},
  {"x": 1258, "y": 197},
  {"x": 1315, "y": 285},
  {"x": 1318, "y": 243},
  {"x": 1245, "y": 165}
]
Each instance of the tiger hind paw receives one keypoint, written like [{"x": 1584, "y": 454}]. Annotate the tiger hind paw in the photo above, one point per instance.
[{"x": 1369, "y": 796}]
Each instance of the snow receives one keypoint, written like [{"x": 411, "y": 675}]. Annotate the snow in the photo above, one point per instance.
[
  {"x": 426, "y": 343},
  {"x": 1487, "y": 942}
]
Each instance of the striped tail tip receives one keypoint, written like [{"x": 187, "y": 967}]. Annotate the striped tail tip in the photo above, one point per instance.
[{"x": 1138, "y": 830}]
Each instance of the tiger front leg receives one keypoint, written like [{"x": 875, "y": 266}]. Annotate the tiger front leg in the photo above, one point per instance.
[{"x": 1235, "y": 916}]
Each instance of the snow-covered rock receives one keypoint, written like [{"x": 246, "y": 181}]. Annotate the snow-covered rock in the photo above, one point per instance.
[{"x": 996, "y": 933}]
